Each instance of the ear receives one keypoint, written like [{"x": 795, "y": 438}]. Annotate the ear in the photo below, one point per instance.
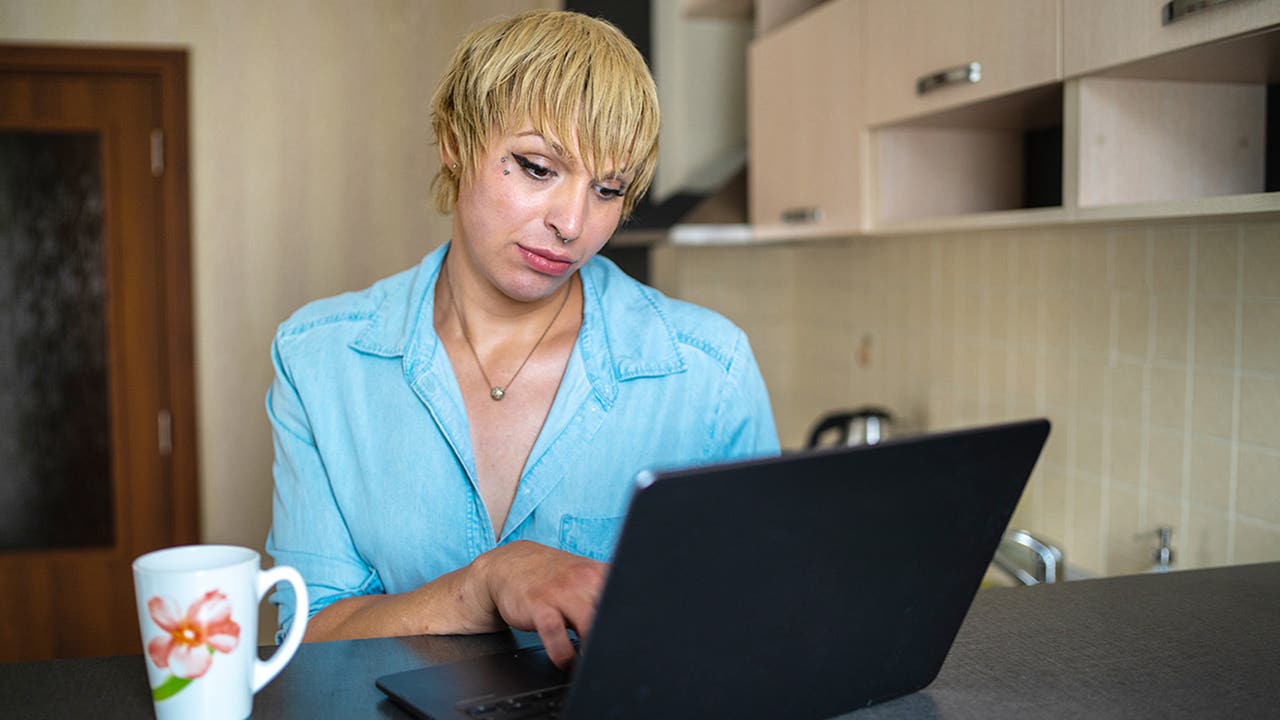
[{"x": 448, "y": 158}]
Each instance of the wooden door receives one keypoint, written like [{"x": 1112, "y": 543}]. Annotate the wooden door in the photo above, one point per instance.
[
  {"x": 1103, "y": 33},
  {"x": 97, "y": 460},
  {"x": 1016, "y": 43},
  {"x": 805, "y": 110}
]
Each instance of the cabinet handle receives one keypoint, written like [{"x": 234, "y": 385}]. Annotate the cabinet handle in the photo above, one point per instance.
[
  {"x": 1175, "y": 10},
  {"x": 799, "y": 215},
  {"x": 970, "y": 73}
]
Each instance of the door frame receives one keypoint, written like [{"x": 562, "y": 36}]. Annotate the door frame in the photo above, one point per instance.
[{"x": 168, "y": 66}]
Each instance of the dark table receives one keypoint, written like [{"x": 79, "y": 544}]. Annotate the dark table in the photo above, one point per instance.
[{"x": 1197, "y": 643}]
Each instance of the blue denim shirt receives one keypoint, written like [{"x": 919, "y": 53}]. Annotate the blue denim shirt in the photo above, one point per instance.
[{"x": 375, "y": 480}]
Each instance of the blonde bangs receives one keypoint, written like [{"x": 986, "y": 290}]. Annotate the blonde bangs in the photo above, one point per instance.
[{"x": 568, "y": 75}]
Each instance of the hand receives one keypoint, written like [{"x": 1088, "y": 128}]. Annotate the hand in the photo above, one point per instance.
[{"x": 536, "y": 587}]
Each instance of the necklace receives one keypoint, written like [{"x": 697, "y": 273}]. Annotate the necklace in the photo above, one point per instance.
[{"x": 497, "y": 392}]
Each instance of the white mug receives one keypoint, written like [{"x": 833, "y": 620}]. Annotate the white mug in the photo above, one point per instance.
[{"x": 198, "y": 610}]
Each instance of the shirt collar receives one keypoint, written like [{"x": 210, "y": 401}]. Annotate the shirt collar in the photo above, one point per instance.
[{"x": 626, "y": 338}]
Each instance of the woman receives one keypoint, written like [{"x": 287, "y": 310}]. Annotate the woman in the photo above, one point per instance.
[{"x": 456, "y": 445}]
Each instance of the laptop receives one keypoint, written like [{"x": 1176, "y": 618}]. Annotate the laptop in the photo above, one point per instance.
[{"x": 801, "y": 586}]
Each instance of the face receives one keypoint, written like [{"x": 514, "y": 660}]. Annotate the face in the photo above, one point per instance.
[{"x": 527, "y": 192}]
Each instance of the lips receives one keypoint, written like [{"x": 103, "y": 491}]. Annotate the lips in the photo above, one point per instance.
[{"x": 545, "y": 261}]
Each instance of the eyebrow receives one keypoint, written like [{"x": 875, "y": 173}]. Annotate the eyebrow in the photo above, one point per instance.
[
  {"x": 556, "y": 147},
  {"x": 564, "y": 155}
]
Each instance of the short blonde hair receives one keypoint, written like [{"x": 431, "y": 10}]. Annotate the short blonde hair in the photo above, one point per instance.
[{"x": 565, "y": 73}]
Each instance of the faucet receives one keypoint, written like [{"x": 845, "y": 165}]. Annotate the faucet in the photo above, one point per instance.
[
  {"x": 1048, "y": 559},
  {"x": 1163, "y": 555}
]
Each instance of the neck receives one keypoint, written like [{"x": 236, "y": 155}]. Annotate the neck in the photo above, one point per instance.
[{"x": 491, "y": 315}]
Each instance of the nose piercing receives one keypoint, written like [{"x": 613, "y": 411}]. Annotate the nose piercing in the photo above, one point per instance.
[{"x": 562, "y": 238}]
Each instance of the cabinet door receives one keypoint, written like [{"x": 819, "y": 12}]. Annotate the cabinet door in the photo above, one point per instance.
[
  {"x": 1103, "y": 33},
  {"x": 805, "y": 120},
  {"x": 1015, "y": 42}
]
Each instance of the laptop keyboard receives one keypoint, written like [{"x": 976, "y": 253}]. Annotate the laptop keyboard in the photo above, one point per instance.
[{"x": 545, "y": 703}]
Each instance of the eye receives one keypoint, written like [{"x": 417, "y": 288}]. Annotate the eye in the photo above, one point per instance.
[
  {"x": 534, "y": 170},
  {"x": 609, "y": 193}
]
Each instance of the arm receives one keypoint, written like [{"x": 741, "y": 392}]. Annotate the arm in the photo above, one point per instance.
[
  {"x": 453, "y": 604},
  {"x": 743, "y": 426},
  {"x": 523, "y": 584}
]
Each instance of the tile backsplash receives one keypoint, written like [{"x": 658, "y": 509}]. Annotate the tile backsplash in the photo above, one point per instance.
[{"x": 1153, "y": 348}]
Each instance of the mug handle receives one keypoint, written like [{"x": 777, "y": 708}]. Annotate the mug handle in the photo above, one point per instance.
[{"x": 264, "y": 672}]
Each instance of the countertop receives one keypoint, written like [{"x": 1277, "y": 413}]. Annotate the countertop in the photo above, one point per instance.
[{"x": 1195, "y": 643}]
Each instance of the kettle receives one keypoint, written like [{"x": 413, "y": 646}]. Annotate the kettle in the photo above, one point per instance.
[{"x": 864, "y": 426}]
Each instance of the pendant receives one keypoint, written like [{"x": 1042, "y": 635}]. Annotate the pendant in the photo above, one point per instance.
[{"x": 497, "y": 393}]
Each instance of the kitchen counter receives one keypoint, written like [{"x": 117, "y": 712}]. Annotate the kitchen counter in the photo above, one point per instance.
[{"x": 1196, "y": 643}]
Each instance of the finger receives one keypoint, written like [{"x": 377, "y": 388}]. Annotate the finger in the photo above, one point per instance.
[
  {"x": 555, "y": 638},
  {"x": 581, "y": 614}
]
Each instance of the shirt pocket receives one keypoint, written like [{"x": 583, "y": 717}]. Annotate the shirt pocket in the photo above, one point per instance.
[{"x": 590, "y": 537}]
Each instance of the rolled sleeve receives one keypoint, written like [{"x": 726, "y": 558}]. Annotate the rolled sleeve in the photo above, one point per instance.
[{"x": 308, "y": 531}]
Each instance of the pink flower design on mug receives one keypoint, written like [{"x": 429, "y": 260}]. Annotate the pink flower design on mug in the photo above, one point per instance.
[{"x": 190, "y": 640}]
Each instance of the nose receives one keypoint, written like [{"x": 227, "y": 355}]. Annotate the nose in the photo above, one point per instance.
[{"x": 568, "y": 210}]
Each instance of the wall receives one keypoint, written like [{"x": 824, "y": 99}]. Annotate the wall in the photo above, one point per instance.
[
  {"x": 1153, "y": 348},
  {"x": 311, "y": 161}
]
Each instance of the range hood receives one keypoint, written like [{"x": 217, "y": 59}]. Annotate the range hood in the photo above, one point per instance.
[{"x": 723, "y": 207}]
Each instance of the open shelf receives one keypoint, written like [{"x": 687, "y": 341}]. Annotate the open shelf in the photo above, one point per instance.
[
  {"x": 1188, "y": 125},
  {"x": 996, "y": 155}
]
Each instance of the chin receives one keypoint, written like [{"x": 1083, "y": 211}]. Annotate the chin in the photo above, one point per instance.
[{"x": 535, "y": 286}]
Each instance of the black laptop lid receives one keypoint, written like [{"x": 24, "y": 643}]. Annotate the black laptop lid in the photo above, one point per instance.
[{"x": 800, "y": 586}]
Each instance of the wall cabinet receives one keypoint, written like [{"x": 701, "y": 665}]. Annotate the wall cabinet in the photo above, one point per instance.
[
  {"x": 965, "y": 105},
  {"x": 805, "y": 136},
  {"x": 1170, "y": 106},
  {"x": 920, "y": 54},
  {"x": 1101, "y": 34},
  {"x": 1144, "y": 121}
]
